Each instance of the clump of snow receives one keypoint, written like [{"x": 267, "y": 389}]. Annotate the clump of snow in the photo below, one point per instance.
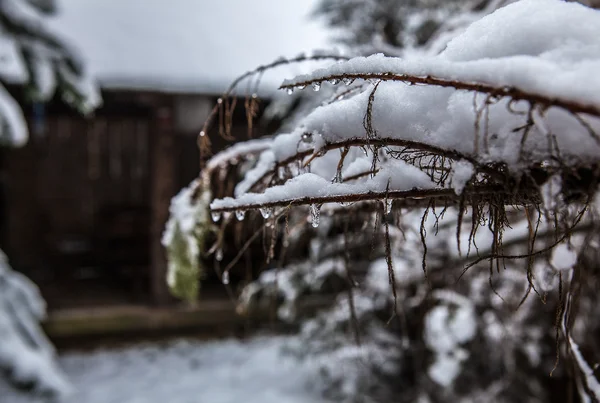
[
  {"x": 462, "y": 172},
  {"x": 447, "y": 328},
  {"x": 266, "y": 162},
  {"x": 564, "y": 257}
]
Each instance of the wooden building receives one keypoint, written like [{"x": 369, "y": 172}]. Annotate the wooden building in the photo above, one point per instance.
[{"x": 85, "y": 202}]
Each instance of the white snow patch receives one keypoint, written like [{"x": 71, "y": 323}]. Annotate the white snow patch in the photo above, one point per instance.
[
  {"x": 462, "y": 172},
  {"x": 564, "y": 257},
  {"x": 187, "y": 371},
  {"x": 447, "y": 327}
]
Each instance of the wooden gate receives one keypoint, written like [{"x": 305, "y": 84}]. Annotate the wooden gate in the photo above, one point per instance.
[{"x": 78, "y": 199}]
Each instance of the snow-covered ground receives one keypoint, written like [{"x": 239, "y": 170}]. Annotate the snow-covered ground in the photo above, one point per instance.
[{"x": 186, "y": 371}]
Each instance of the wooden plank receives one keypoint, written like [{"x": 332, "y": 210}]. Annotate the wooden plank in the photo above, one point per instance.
[
  {"x": 207, "y": 315},
  {"x": 162, "y": 189}
]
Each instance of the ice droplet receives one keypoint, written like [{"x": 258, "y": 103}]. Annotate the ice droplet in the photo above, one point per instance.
[
  {"x": 219, "y": 254},
  {"x": 334, "y": 81},
  {"x": 281, "y": 173},
  {"x": 290, "y": 91},
  {"x": 216, "y": 216},
  {"x": 316, "y": 86},
  {"x": 301, "y": 87},
  {"x": 240, "y": 214},
  {"x": 225, "y": 277},
  {"x": 387, "y": 205},
  {"x": 315, "y": 214},
  {"x": 348, "y": 80},
  {"x": 202, "y": 133},
  {"x": 266, "y": 212},
  {"x": 220, "y": 101}
]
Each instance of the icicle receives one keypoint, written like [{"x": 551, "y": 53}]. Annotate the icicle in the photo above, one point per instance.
[
  {"x": 219, "y": 254},
  {"x": 216, "y": 216},
  {"x": 222, "y": 171},
  {"x": 290, "y": 91},
  {"x": 266, "y": 212},
  {"x": 338, "y": 176},
  {"x": 240, "y": 214},
  {"x": 387, "y": 205},
  {"x": 225, "y": 277},
  {"x": 316, "y": 86},
  {"x": 281, "y": 173},
  {"x": 334, "y": 81},
  {"x": 315, "y": 214},
  {"x": 348, "y": 80}
]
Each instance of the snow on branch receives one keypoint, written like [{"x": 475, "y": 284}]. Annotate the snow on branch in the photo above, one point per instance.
[
  {"x": 540, "y": 105},
  {"x": 521, "y": 78}
]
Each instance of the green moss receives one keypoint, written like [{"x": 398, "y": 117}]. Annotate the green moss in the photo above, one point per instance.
[{"x": 186, "y": 270}]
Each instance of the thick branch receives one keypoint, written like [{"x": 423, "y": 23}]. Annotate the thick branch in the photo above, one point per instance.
[
  {"x": 505, "y": 91},
  {"x": 405, "y": 198}
]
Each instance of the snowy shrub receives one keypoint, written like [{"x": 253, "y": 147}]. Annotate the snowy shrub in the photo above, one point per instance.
[
  {"x": 453, "y": 197},
  {"x": 33, "y": 56},
  {"x": 25, "y": 354}
]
